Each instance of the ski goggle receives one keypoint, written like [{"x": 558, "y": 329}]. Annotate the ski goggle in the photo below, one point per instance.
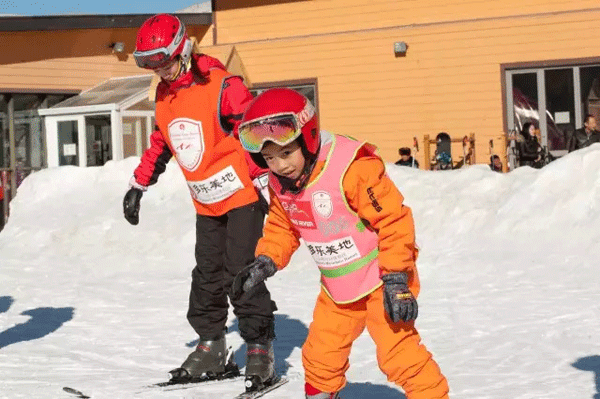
[
  {"x": 157, "y": 58},
  {"x": 152, "y": 59},
  {"x": 282, "y": 129}
]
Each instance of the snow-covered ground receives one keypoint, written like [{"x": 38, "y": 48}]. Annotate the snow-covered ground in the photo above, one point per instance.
[{"x": 509, "y": 266}]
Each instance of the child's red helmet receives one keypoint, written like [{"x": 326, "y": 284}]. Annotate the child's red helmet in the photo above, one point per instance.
[
  {"x": 279, "y": 115},
  {"x": 159, "y": 40}
]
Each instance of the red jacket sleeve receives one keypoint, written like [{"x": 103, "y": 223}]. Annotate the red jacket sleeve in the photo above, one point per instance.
[
  {"x": 205, "y": 62},
  {"x": 234, "y": 100},
  {"x": 154, "y": 161}
]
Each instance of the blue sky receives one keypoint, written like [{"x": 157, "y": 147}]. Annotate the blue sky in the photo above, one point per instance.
[{"x": 52, "y": 7}]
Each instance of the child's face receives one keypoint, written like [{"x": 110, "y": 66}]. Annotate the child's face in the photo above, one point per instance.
[
  {"x": 286, "y": 161},
  {"x": 168, "y": 71}
]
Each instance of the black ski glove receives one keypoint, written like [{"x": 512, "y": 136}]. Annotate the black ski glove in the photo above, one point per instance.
[
  {"x": 255, "y": 273},
  {"x": 398, "y": 301},
  {"x": 131, "y": 205}
]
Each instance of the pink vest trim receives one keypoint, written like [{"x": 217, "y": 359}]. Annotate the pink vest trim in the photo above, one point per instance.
[{"x": 344, "y": 250}]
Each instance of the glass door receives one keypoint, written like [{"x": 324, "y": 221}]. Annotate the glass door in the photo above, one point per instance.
[
  {"x": 589, "y": 93},
  {"x": 560, "y": 106},
  {"x": 64, "y": 134},
  {"x": 98, "y": 142},
  {"x": 525, "y": 91},
  {"x": 68, "y": 142}
]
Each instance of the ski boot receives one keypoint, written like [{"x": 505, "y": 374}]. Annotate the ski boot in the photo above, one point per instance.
[
  {"x": 314, "y": 393},
  {"x": 260, "y": 366},
  {"x": 324, "y": 395},
  {"x": 209, "y": 361}
]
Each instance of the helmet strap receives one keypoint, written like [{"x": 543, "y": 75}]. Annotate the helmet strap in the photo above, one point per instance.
[{"x": 181, "y": 69}]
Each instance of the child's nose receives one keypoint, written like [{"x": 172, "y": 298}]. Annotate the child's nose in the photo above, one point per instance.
[{"x": 279, "y": 163}]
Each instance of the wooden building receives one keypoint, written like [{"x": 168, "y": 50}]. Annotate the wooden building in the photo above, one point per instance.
[
  {"x": 386, "y": 70},
  {"x": 463, "y": 62}
]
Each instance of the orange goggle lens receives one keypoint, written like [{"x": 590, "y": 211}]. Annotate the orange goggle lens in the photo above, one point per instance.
[{"x": 282, "y": 130}]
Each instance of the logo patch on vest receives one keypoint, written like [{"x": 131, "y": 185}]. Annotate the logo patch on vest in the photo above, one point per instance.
[
  {"x": 323, "y": 204},
  {"x": 334, "y": 226},
  {"x": 188, "y": 141},
  {"x": 300, "y": 214},
  {"x": 333, "y": 253}
]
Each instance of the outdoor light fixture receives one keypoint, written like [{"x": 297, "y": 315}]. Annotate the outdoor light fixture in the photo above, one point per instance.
[
  {"x": 400, "y": 49},
  {"x": 117, "y": 47}
]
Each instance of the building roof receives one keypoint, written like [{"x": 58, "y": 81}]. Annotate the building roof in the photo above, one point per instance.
[
  {"x": 104, "y": 21},
  {"x": 114, "y": 93}
]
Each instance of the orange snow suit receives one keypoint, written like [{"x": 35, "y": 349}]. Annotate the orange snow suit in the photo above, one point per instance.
[{"x": 400, "y": 354}]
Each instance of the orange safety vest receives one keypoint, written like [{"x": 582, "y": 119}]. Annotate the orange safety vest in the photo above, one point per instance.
[{"x": 211, "y": 160}]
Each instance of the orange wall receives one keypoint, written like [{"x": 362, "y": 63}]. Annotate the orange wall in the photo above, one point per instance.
[
  {"x": 449, "y": 80},
  {"x": 68, "y": 59}
]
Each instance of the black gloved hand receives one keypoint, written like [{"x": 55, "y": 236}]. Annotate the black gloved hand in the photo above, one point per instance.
[
  {"x": 255, "y": 273},
  {"x": 131, "y": 205},
  {"x": 398, "y": 301}
]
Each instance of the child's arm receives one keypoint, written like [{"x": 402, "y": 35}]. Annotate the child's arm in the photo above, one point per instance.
[
  {"x": 280, "y": 239},
  {"x": 374, "y": 196}
]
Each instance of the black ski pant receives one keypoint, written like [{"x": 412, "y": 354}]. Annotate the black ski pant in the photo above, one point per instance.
[{"x": 224, "y": 246}]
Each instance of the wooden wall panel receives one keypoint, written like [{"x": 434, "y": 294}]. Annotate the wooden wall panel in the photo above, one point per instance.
[
  {"x": 449, "y": 80},
  {"x": 68, "y": 60},
  {"x": 303, "y": 18}
]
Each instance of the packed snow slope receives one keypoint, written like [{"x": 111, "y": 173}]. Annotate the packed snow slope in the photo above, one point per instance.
[{"x": 509, "y": 306}]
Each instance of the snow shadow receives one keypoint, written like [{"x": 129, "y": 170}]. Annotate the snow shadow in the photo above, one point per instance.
[
  {"x": 5, "y": 303},
  {"x": 290, "y": 333},
  {"x": 590, "y": 363},
  {"x": 43, "y": 321},
  {"x": 361, "y": 390}
]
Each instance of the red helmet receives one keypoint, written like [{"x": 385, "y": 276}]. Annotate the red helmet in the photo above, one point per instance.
[
  {"x": 160, "y": 39},
  {"x": 279, "y": 115}
]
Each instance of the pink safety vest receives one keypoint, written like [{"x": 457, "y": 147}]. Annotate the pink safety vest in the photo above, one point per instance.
[{"x": 343, "y": 248}]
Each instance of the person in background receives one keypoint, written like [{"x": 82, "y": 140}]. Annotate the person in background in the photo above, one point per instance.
[
  {"x": 585, "y": 136},
  {"x": 529, "y": 149},
  {"x": 198, "y": 108},
  {"x": 333, "y": 193},
  {"x": 406, "y": 158},
  {"x": 496, "y": 163}
]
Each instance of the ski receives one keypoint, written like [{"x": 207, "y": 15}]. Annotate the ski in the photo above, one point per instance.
[
  {"x": 167, "y": 386},
  {"x": 232, "y": 372},
  {"x": 279, "y": 381},
  {"x": 78, "y": 394}
]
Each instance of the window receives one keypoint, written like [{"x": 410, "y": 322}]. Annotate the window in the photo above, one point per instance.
[{"x": 564, "y": 94}]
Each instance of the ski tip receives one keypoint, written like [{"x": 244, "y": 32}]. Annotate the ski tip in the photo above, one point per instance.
[{"x": 76, "y": 392}]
